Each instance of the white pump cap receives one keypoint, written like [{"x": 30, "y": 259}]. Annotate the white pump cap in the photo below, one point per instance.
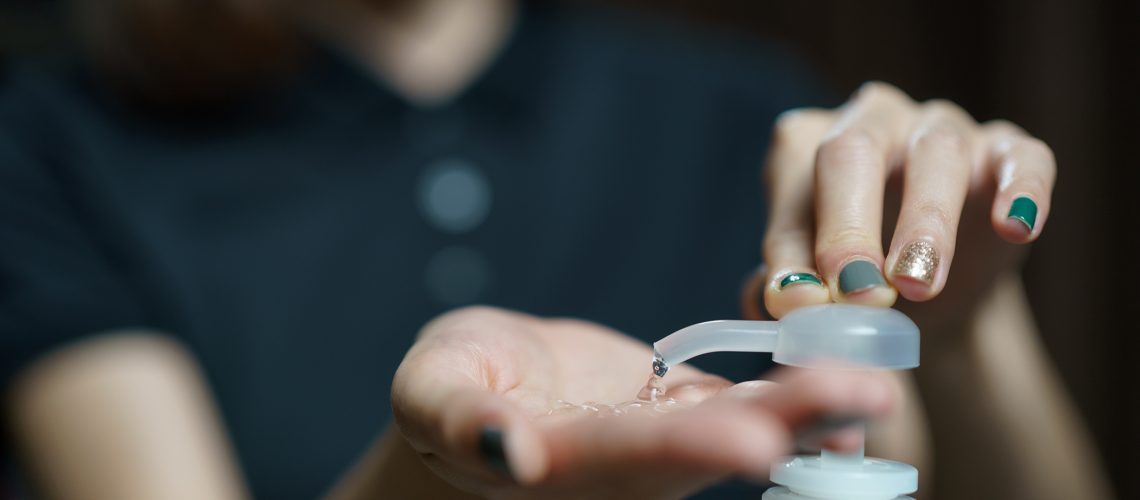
[{"x": 875, "y": 337}]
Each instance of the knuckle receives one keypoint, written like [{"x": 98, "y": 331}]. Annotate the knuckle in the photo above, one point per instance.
[
  {"x": 1002, "y": 128},
  {"x": 942, "y": 140},
  {"x": 846, "y": 239},
  {"x": 1034, "y": 148},
  {"x": 786, "y": 127},
  {"x": 934, "y": 213},
  {"x": 851, "y": 143},
  {"x": 946, "y": 108},
  {"x": 939, "y": 105},
  {"x": 793, "y": 123},
  {"x": 876, "y": 90},
  {"x": 780, "y": 245}
]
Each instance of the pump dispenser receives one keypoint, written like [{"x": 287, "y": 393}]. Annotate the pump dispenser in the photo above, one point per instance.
[{"x": 810, "y": 337}]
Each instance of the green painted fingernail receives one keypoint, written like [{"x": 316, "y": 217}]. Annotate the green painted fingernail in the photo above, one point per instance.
[
  {"x": 491, "y": 447},
  {"x": 799, "y": 278},
  {"x": 1024, "y": 210},
  {"x": 859, "y": 275}
]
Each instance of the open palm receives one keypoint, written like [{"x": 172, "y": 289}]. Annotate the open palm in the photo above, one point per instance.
[{"x": 478, "y": 384}]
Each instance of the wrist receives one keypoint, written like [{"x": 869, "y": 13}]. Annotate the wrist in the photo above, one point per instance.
[
  {"x": 950, "y": 331},
  {"x": 945, "y": 338},
  {"x": 960, "y": 343}
]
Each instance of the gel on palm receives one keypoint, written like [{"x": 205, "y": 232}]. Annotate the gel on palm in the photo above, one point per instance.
[{"x": 811, "y": 337}]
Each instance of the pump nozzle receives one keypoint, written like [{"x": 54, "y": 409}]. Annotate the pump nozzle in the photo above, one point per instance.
[{"x": 872, "y": 337}]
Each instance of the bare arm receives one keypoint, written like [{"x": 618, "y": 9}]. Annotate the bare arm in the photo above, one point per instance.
[
  {"x": 1001, "y": 422},
  {"x": 121, "y": 417}
]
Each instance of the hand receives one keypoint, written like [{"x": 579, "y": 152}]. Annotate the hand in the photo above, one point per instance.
[
  {"x": 964, "y": 193},
  {"x": 474, "y": 391}
]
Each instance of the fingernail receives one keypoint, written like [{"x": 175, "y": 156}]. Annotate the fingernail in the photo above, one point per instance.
[
  {"x": 918, "y": 260},
  {"x": 859, "y": 275},
  {"x": 799, "y": 278},
  {"x": 1024, "y": 210},
  {"x": 491, "y": 448}
]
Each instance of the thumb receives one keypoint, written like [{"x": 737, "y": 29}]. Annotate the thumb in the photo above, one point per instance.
[{"x": 466, "y": 433}]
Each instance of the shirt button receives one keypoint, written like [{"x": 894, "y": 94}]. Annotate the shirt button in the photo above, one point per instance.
[
  {"x": 454, "y": 196},
  {"x": 457, "y": 275}
]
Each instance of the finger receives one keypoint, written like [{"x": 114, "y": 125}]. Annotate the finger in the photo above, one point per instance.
[
  {"x": 800, "y": 397},
  {"x": 851, "y": 169},
  {"x": 712, "y": 439},
  {"x": 741, "y": 431},
  {"x": 469, "y": 435},
  {"x": 836, "y": 424},
  {"x": 825, "y": 406},
  {"x": 838, "y": 429},
  {"x": 694, "y": 391},
  {"x": 748, "y": 389},
  {"x": 1025, "y": 170},
  {"x": 791, "y": 280},
  {"x": 449, "y": 400},
  {"x": 936, "y": 180}
]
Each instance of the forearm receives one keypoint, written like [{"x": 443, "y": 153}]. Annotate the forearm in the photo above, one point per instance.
[
  {"x": 121, "y": 417},
  {"x": 1001, "y": 423},
  {"x": 392, "y": 469}
]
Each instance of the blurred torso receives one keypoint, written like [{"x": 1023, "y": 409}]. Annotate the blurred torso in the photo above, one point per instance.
[{"x": 297, "y": 242}]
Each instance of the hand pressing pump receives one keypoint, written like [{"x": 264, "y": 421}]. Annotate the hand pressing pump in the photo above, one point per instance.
[{"x": 811, "y": 337}]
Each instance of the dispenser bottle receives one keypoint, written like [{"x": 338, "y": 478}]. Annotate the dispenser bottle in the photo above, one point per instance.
[{"x": 863, "y": 337}]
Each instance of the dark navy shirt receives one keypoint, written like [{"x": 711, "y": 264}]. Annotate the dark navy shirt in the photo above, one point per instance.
[{"x": 605, "y": 166}]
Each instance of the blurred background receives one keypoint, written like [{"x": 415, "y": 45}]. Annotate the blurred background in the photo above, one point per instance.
[{"x": 1065, "y": 70}]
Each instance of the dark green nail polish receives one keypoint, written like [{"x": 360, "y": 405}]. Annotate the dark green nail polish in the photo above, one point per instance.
[
  {"x": 491, "y": 448},
  {"x": 799, "y": 278},
  {"x": 859, "y": 275},
  {"x": 1024, "y": 210}
]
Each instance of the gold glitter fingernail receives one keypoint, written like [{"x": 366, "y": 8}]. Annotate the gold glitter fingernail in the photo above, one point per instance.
[{"x": 918, "y": 260}]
